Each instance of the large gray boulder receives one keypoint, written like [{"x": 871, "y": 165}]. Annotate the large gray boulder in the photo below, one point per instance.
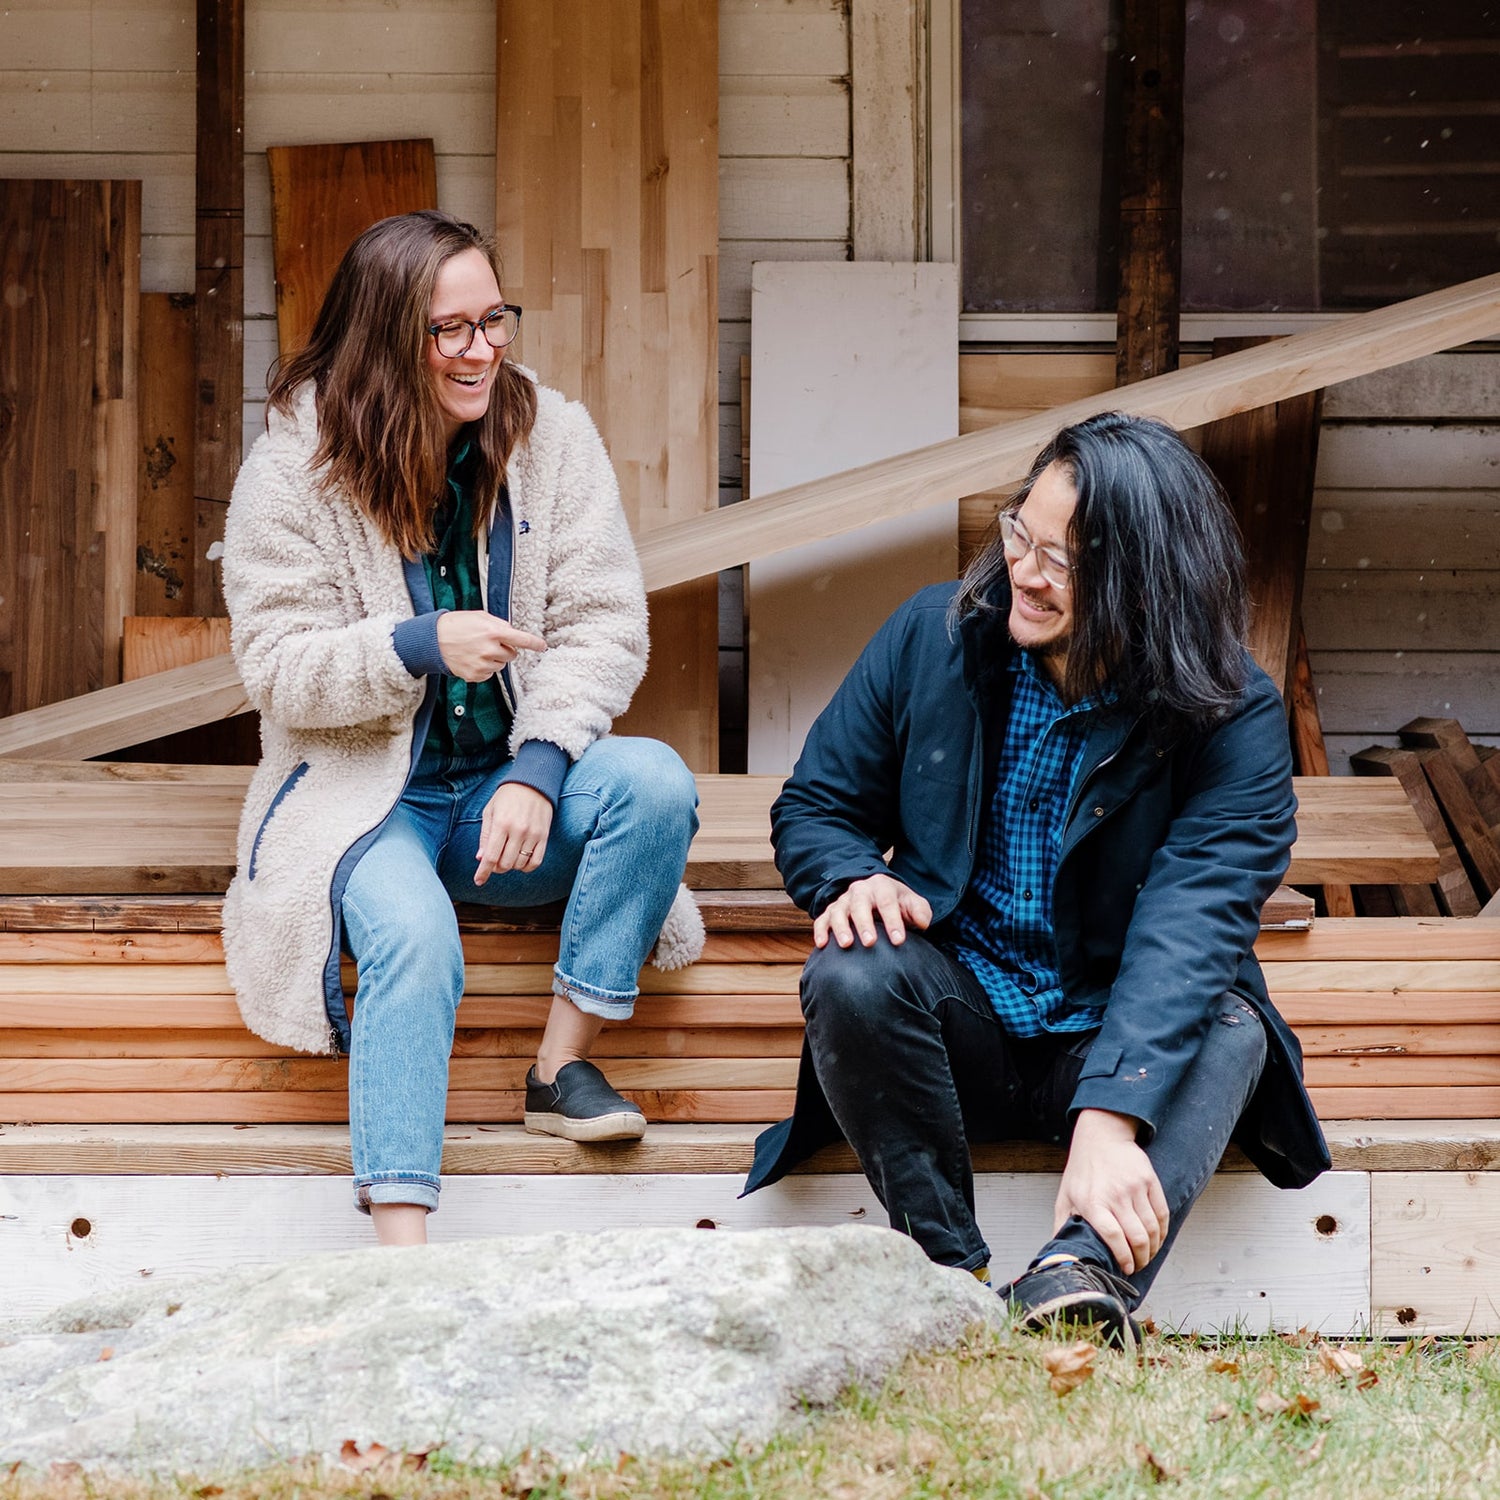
[{"x": 647, "y": 1341}]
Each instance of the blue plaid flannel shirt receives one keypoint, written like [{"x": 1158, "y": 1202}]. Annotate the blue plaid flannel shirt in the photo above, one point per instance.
[{"x": 1002, "y": 928}]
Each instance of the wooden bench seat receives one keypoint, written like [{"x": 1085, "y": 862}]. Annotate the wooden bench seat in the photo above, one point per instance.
[
  {"x": 116, "y": 828},
  {"x": 131, "y": 1020}
]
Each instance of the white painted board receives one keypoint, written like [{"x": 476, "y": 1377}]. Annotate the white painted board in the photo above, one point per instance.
[
  {"x": 1251, "y": 1256},
  {"x": 850, "y": 363}
]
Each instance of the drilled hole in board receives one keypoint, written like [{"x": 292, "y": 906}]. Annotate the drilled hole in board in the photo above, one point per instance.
[
  {"x": 1326, "y": 1224},
  {"x": 705, "y": 1224},
  {"x": 1406, "y": 1316},
  {"x": 80, "y": 1229}
]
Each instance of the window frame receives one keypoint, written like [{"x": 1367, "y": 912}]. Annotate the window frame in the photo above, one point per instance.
[{"x": 944, "y": 233}]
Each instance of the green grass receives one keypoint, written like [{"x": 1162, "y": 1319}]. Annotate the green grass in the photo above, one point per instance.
[{"x": 1242, "y": 1418}]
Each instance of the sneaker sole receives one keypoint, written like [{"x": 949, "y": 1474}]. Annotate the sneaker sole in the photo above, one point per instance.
[
  {"x": 1086, "y": 1307},
  {"x": 625, "y": 1125}
]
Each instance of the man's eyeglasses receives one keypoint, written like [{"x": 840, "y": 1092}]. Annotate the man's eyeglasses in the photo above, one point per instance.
[
  {"x": 456, "y": 334},
  {"x": 1052, "y": 564}
]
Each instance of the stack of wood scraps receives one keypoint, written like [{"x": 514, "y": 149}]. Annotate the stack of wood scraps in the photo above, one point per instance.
[{"x": 1454, "y": 787}]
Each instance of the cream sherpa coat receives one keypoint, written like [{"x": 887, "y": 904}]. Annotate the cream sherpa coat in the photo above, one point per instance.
[{"x": 314, "y": 592}]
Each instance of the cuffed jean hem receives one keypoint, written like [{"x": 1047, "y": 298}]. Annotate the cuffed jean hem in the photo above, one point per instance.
[
  {"x": 422, "y": 1192},
  {"x": 611, "y": 1005}
]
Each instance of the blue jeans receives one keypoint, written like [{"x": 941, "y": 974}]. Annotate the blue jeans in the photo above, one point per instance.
[
  {"x": 915, "y": 1065},
  {"x": 616, "y": 853}
]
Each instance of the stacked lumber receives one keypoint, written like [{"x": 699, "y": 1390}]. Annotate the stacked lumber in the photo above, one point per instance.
[
  {"x": 1399, "y": 1019},
  {"x": 116, "y": 1007},
  {"x": 121, "y": 1011},
  {"x": 1454, "y": 788},
  {"x": 118, "y": 1010}
]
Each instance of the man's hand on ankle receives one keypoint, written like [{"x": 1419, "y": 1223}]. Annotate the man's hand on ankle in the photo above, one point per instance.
[{"x": 1109, "y": 1182}]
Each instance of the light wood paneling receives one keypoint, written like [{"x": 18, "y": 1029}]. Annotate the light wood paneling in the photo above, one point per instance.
[
  {"x": 69, "y": 324},
  {"x": 606, "y": 210},
  {"x": 1251, "y": 1257},
  {"x": 1436, "y": 1257}
]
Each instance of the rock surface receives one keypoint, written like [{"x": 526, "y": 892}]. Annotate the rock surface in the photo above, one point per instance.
[{"x": 647, "y": 1341}]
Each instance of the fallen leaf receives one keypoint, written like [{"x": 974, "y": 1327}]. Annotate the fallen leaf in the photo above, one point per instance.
[
  {"x": 1068, "y": 1367},
  {"x": 1148, "y": 1325},
  {"x": 64, "y": 1468},
  {"x": 1158, "y": 1471},
  {"x": 208, "y": 1491},
  {"x": 1343, "y": 1362},
  {"x": 106, "y": 1353},
  {"x": 372, "y": 1457},
  {"x": 1297, "y": 1407},
  {"x": 1365, "y": 1379},
  {"x": 1220, "y": 1412},
  {"x": 1303, "y": 1338},
  {"x": 1225, "y": 1367}
]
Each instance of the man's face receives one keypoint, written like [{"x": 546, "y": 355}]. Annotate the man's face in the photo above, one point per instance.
[{"x": 1041, "y": 613}]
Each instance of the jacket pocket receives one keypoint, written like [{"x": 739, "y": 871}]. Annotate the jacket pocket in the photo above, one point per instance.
[{"x": 276, "y": 801}]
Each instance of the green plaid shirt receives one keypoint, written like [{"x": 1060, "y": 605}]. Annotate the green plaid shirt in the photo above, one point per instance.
[{"x": 469, "y": 717}]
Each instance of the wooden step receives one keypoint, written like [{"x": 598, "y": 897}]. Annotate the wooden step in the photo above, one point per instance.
[{"x": 112, "y": 828}]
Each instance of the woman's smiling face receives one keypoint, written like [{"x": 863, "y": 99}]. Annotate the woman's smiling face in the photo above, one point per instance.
[{"x": 465, "y": 288}]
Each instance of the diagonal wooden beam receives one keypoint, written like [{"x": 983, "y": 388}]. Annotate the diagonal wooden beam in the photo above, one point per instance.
[
  {"x": 100, "y": 722},
  {"x": 1000, "y": 455},
  {"x": 114, "y": 717}
]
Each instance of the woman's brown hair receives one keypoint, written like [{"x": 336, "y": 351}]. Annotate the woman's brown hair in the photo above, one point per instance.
[{"x": 380, "y": 433}]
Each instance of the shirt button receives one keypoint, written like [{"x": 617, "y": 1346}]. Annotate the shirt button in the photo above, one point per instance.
[
  {"x": 1026, "y": 895},
  {"x": 442, "y": 572},
  {"x": 1035, "y": 803},
  {"x": 1098, "y": 812},
  {"x": 458, "y": 710}
]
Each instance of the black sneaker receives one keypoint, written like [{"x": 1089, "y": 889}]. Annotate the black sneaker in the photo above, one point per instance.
[
  {"x": 1074, "y": 1291},
  {"x": 581, "y": 1106}
]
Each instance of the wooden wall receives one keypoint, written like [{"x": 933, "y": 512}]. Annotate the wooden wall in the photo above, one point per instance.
[
  {"x": 1402, "y": 599},
  {"x": 105, "y": 88},
  {"x": 1404, "y": 583}
]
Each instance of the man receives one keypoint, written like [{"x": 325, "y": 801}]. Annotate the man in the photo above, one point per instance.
[{"x": 1084, "y": 785}]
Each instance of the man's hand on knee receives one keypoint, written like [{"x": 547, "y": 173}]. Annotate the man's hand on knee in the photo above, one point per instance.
[
  {"x": 1109, "y": 1182},
  {"x": 874, "y": 902}
]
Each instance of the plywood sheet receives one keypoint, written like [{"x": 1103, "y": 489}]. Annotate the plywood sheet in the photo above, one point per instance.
[
  {"x": 607, "y": 194},
  {"x": 69, "y": 320},
  {"x": 829, "y": 394},
  {"x": 322, "y": 198}
]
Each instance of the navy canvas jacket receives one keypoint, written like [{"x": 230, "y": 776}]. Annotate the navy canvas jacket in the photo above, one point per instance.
[{"x": 1169, "y": 851}]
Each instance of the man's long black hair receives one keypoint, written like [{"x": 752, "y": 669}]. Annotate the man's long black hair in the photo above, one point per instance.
[{"x": 1158, "y": 583}]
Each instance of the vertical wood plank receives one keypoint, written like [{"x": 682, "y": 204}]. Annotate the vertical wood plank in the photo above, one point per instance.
[
  {"x": 1152, "y": 39},
  {"x": 166, "y": 506},
  {"x": 69, "y": 323},
  {"x": 885, "y": 64},
  {"x": 322, "y": 198},
  {"x": 1265, "y": 459},
  {"x": 1310, "y": 758},
  {"x": 607, "y": 217},
  {"x": 220, "y": 283}
]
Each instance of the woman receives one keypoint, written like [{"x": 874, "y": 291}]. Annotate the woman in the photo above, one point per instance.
[{"x": 438, "y": 611}]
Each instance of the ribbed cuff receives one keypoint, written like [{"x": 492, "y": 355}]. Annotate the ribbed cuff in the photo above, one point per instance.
[
  {"x": 416, "y": 643},
  {"x": 541, "y": 765}
]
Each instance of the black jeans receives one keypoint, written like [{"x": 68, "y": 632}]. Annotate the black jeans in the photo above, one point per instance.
[{"x": 915, "y": 1066}]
